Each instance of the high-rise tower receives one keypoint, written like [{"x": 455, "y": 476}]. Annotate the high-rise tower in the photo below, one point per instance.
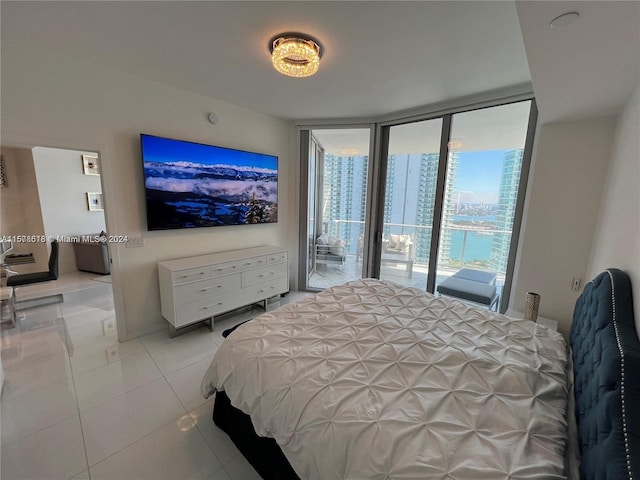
[{"x": 507, "y": 198}]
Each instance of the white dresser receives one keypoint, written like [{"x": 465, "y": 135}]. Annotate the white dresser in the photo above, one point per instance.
[{"x": 194, "y": 289}]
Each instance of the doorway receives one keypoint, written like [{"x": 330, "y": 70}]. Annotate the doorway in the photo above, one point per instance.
[{"x": 55, "y": 193}]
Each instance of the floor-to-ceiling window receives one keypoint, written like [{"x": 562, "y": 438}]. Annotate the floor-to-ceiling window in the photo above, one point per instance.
[
  {"x": 486, "y": 153},
  {"x": 446, "y": 193},
  {"x": 410, "y": 184}
]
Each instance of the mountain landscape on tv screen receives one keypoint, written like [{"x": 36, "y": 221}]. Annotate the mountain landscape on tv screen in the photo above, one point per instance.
[{"x": 188, "y": 194}]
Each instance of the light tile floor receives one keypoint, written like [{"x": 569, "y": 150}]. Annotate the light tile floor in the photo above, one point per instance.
[{"x": 76, "y": 404}]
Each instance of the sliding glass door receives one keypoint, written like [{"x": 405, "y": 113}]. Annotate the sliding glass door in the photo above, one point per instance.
[
  {"x": 410, "y": 181},
  {"x": 440, "y": 194},
  {"x": 338, "y": 166}
]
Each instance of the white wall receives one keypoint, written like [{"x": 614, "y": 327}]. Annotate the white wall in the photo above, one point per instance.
[
  {"x": 617, "y": 239},
  {"x": 20, "y": 208},
  {"x": 570, "y": 160},
  {"x": 59, "y": 102},
  {"x": 62, "y": 188}
]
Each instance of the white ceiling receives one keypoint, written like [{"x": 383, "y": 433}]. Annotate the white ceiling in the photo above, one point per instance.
[
  {"x": 588, "y": 68},
  {"x": 379, "y": 56}
]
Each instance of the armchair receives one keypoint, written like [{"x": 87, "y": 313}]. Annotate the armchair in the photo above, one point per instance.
[
  {"x": 396, "y": 249},
  {"x": 330, "y": 250},
  {"x": 399, "y": 249}
]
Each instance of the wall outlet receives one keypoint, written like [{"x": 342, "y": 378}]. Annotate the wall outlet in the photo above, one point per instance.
[
  {"x": 135, "y": 242},
  {"x": 109, "y": 326},
  {"x": 112, "y": 354},
  {"x": 575, "y": 285}
]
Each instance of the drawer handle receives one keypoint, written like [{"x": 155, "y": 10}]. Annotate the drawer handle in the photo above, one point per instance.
[
  {"x": 249, "y": 263},
  {"x": 260, "y": 291},
  {"x": 204, "y": 289},
  {"x": 187, "y": 276},
  {"x": 233, "y": 266},
  {"x": 218, "y": 269},
  {"x": 261, "y": 275}
]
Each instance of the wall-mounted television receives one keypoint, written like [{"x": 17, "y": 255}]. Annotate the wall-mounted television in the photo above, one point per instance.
[{"x": 189, "y": 185}]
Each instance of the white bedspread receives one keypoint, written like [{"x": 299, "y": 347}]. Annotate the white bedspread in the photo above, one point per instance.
[{"x": 372, "y": 380}]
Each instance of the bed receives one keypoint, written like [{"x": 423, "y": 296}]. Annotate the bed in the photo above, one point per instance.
[{"x": 375, "y": 380}]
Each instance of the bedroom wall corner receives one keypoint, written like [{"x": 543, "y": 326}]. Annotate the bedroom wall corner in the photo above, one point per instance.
[
  {"x": 565, "y": 190},
  {"x": 81, "y": 106},
  {"x": 616, "y": 242}
]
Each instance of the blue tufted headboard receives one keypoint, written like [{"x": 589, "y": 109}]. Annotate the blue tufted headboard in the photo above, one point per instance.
[{"x": 606, "y": 359}]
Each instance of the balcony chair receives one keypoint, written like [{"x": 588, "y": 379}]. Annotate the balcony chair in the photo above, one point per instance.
[
  {"x": 396, "y": 250},
  {"x": 39, "y": 277},
  {"x": 330, "y": 251},
  {"x": 399, "y": 249}
]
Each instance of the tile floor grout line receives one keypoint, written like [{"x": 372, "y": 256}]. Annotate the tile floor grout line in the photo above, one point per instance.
[
  {"x": 75, "y": 306},
  {"x": 75, "y": 391},
  {"x": 136, "y": 440},
  {"x": 222, "y": 465}
]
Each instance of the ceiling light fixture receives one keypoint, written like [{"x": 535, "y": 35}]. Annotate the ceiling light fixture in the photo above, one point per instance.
[
  {"x": 295, "y": 55},
  {"x": 564, "y": 19},
  {"x": 349, "y": 151}
]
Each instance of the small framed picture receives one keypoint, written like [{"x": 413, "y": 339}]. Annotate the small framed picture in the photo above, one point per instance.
[
  {"x": 94, "y": 200},
  {"x": 90, "y": 165}
]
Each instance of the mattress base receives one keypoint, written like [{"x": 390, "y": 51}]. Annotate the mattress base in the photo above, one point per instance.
[{"x": 263, "y": 453}]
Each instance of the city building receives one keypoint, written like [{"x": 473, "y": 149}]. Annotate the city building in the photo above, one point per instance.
[{"x": 507, "y": 196}]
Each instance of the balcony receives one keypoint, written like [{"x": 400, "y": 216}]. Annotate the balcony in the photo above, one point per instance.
[{"x": 471, "y": 246}]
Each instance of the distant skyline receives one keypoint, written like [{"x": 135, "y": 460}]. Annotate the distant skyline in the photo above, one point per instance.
[{"x": 478, "y": 175}]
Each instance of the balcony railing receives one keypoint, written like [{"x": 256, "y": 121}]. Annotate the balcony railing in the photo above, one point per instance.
[{"x": 473, "y": 246}]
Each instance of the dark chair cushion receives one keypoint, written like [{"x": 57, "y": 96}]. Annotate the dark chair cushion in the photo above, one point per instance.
[
  {"x": 468, "y": 290},
  {"x": 27, "y": 278},
  {"x": 37, "y": 277},
  {"x": 475, "y": 275}
]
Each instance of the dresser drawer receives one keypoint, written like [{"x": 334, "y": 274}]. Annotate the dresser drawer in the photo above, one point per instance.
[
  {"x": 277, "y": 258},
  {"x": 264, "y": 274},
  {"x": 251, "y": 263},
  {"x": 237, "y": 265},
  {"x": 202, "y": 309},
  {"x": 195, "y": 289},
  {"x": 191, "y": 275},
  {"x": 206, "y": 288},
  {"x": 269, "y": 289}
]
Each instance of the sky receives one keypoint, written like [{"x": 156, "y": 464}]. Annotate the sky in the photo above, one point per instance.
[
  {"x": 158, "y": 149},
  {"x": 478, "y": 177}
]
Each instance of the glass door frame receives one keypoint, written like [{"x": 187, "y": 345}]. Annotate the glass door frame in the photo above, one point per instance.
[
  {"x": 304, "y": 144},
  {"x": 375, "y": 235}
]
